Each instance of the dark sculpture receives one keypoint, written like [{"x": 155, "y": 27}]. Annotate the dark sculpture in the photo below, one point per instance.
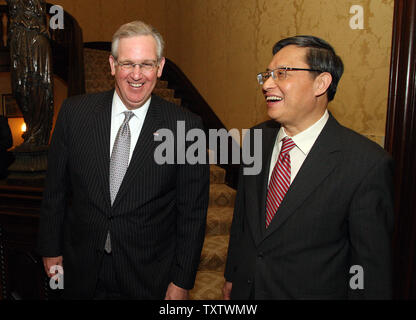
[{"x": 31, "y": 69}]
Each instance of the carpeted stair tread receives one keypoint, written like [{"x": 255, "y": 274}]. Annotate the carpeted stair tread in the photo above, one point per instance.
[
  {"x": 161, "y": 84},
  {"x": 97, "y": 71},
  {"x": 172, "y": 100},
  {"x": 93, "y": 86},
  {"x": 221, "y": 195},
  {"x": 208, "y": 286},
  {"x": 176, "y": 101},
  {"x": 95, "y": 60},
  {"x": 217, "y": 174},
  {"x": 164, "y": 92},
  {"x": 219, "y": 220},
  {"x": 214, "y": 253}
]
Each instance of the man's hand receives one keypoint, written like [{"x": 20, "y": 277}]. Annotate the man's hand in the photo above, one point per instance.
[
  {"x": 226, "y": 290},
  {"x": 49, "y": 262},
  {"x": 176, "y": 293}
]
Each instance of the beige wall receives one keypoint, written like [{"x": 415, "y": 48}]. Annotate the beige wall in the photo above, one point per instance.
[
  {"x": 221, "y": 45},
  {"x": 99, "y": 19}
]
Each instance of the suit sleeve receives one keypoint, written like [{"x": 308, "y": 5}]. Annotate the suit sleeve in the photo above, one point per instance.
[
  {"x": 371, "y": 226},
  {"x": 54, "y": 196},
  {"x": 192, "y": 187},
  {"x": 236, "y": 230}
]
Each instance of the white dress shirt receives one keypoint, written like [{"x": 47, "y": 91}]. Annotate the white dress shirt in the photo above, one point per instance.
[
  {"x": 135, "y": 123},
  {"x": 304, "y": 142}
]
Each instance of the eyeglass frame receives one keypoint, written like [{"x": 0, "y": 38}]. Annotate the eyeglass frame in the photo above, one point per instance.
[
  {"x": 274, "y": 77},
  {"x": 131, "y": 66}
]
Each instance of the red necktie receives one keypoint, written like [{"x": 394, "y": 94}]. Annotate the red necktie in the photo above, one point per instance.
[{"x": 279, "y": 181}]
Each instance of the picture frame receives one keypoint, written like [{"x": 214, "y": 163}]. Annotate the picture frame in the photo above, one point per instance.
[{"x": 10, "y": 107}]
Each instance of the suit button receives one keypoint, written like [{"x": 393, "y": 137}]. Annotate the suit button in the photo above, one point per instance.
[
  {"x": 260, "y": 255},
  {"x": 110, "y": 218},
  {"x": 249, "y": 281}
]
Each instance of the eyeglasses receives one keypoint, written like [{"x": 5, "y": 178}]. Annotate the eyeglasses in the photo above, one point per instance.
[
  {"x": 279, "y": 73},
  {"x": 146, "y": 66}
]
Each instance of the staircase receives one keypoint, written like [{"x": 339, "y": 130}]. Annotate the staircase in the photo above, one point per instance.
[{"x": 210, "y": 275}]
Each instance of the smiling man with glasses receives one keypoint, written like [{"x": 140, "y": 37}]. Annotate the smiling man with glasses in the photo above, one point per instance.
[
  {"x": 121, "y": 225},
  {"x": 316, "y": 223},
  {"x": 136, "y": 64}
]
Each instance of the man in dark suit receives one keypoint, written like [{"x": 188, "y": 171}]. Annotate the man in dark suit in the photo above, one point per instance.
[
  {"x": 6, "y": 142},
  {"x": 120, "y": 224},
  {"x": 316, "y": 223}
]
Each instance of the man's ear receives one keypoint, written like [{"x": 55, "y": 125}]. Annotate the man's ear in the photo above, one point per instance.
[
  {"x": 112, "y": 65},
  {"x": 322, "y": 83},
  {"x": 160, "y": 67}
]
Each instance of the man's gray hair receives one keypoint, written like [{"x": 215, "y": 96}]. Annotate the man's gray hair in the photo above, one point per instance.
[{"x": 137, "y": 28}]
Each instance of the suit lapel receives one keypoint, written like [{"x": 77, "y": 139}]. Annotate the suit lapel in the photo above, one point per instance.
[
  {"x": 144, "y": 147},
  {"x": 101, "y": 138},
  {"x": 320, "y": 162},
  {"x": 260, "y": 182}
]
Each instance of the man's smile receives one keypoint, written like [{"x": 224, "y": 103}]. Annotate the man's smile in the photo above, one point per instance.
[
  {"x": 273, "y": 98},
  {"x": 135, "y": 85}
]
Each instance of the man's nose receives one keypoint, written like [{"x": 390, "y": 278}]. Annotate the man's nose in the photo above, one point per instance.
[
  {"x": 268, "y": 84},
  {"x": 137, "y": 71}
]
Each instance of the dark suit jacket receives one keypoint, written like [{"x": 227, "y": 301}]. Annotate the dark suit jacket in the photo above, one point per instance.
[
  {"x": 157, "y": 221},
  {"x": 337, "y": 213}
]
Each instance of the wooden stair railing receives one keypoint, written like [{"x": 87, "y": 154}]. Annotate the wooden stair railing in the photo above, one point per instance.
[{"x": 193, "y": 100}]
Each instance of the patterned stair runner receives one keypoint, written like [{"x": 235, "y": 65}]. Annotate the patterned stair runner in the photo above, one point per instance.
[{"x": 210, "y": 275}]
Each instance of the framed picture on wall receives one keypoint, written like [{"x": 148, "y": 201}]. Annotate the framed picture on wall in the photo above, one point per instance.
[{"x": 10, "y": 107}]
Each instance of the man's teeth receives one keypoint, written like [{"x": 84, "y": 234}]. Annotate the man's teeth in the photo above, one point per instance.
[
  {"x": 136, "y": 85},
  {"x": 273, "y": 98}
]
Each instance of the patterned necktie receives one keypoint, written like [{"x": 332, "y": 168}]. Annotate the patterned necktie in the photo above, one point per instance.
[
  {"x": 120, "y": 156},
  {"x": 119, "y": 163},
  {"x": 279, "y": 181}
]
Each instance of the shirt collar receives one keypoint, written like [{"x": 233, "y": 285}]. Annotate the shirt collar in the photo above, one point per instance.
[
  {"x": 305, "y": 139},
  {"x": 119, "y": 107}
]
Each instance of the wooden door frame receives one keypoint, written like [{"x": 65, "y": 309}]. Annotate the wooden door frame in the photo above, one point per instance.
[{"x": 401, "y": 144}]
